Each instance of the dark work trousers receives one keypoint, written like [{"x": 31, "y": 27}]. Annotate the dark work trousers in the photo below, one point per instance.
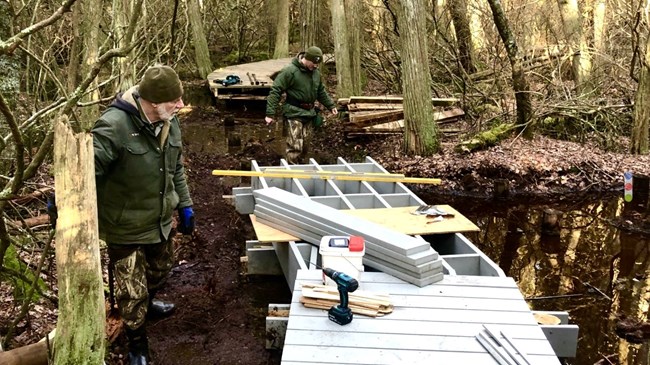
[
  {"x": 299, "y": 134},
  {"x": 140, "y": 270}
]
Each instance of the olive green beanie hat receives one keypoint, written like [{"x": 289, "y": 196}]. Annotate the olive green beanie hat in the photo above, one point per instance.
[
  {"x": 160, "y": 84},
  {"x": 314, "y": 54}
]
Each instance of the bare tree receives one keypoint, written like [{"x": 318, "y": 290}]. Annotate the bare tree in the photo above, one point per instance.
[
  {"x": 309, "y": 18},
  {"x": 519, "y": 81},
  {"x": 459, "y": 15},
  {"x": 201, "y": 51},
  {"x": 353, "y": 17},
  {"x": 344, "y": 86},
  {"x": 420, "y": 129},
  {"x": 640, "y": 130},
  {"x": 573, "y": 32},
  {"x": 282, "y": 30}
]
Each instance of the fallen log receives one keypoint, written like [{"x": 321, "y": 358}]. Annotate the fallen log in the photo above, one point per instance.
[{"x": 34, "y": 354}]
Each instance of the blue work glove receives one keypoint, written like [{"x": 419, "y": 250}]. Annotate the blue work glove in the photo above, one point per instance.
[
  {"x": 186, "y": 220},
  {"x": 52, "y": 210}
]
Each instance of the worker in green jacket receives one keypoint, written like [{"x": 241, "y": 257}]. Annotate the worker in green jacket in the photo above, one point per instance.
[
  {"x": 140, "y": 182},
  {"x": 301, "y": 81}
]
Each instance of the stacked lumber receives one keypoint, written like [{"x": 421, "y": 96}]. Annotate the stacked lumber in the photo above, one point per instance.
[
  {"x": 408, "y": 258},
  {"x": 359, "y": 302},
  {"x": 385, "y": 114}
]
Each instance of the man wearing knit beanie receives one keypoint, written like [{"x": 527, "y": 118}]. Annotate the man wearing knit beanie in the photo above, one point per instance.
[
  {"x": 140, "y": 181},
  {"x": 301, "y": 81}
]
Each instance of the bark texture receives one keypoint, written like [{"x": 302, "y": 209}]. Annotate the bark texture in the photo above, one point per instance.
[
  {"x": 353, "y": 14},
  {"x": 519, "y": 81},
  {"x": 640, "y": 130},
  {"x": 309, "y": 15},
  {"x": 344, "y": 87},
  {"x": 459, "y": 15},
  {"x": 420, "y": 129},
  {"x": 281, "y": 49},
  {"x": 80, "y": 327},
  {"x": 201, "y": 51},
  {"x": 573, "y": 32}
]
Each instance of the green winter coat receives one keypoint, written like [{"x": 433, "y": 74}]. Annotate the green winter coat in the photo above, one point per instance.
[
  {"x": 301, "y": 86},
  {"x": 139, "y": 184}
]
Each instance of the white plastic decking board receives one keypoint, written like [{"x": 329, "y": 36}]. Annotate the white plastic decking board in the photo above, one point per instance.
[
  {"x": 309, "y": 230},
  {"x": 399, "y": 242},
  {"x": 436, "y": 324}
]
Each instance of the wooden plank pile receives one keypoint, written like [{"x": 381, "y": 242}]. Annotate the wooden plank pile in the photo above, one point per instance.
[
  {"x": 385, "y": 114},
  {"x": 359, "y": 302}
]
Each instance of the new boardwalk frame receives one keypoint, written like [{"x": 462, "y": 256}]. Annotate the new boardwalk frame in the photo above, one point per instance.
[{"x": 440, "y": 323}]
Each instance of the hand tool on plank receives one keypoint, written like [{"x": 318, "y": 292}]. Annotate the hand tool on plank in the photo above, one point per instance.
[
  {"x": 249, "y": 77},
  {"x": 255, "y": 78},
  {"x": 329, "y": 175},
  {"x": 341, "y": 314}
]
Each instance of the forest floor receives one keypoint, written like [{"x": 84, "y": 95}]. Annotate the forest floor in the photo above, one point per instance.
[{"x": 220, "y": 317}]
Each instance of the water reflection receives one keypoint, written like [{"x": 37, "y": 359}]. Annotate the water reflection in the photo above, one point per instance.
[
  {"x": 220, "y": 139},
  {"x": 572, "y": 253}
]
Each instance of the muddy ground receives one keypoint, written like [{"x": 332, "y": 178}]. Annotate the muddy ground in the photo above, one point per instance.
[{"x": 221, "y": 311}]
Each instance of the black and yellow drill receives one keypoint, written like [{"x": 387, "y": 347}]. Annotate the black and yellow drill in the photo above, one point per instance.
[{"x": 341, "y": 314}]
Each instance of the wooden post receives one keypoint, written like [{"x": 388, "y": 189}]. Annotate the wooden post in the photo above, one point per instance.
[{"x": 82, "y": 317}]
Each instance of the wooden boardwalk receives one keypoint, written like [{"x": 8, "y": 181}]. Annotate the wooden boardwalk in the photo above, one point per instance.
[
  {"x": 435, "y": 324},
  {"x": 255, "y": 78}
]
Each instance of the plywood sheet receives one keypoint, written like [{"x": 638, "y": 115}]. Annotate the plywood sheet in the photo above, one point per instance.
[{"x": 399, "y": 219}]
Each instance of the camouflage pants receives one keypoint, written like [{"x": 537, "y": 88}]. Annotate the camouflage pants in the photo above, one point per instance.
[
  {"x": 298, "y": 136},
  {"x": 139, "y": 271}
]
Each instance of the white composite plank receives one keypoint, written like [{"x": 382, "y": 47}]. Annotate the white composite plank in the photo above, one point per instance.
[
  {"x": 438, "y": 315},
  {"x": 433, "y": 290},
  {"x": 460, "y": 280},
  {"x": 448, "y": 343},
  {"x": 359, "y": 356},
  {"x": 413, "y": 301},
  {"x": 444, "y": 343},
  {"x": 363, "y": 324},
  {"x": 436, "y": 324}
]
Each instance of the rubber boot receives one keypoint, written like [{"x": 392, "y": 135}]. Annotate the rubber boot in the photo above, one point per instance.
[
  {"x": 138, "y": 346},
  {"x": 159, "y": 308}
]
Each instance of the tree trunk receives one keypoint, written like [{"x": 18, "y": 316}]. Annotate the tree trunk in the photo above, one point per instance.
[
  {"x": 420, "y": 128},
  {"x": 201, "y": 51},
  {"x": 475, "y": 9},
  {"x": 126, "y": 65},
  {"x": 9, "y": 87},
  {"x": 352, "y": 13},
  {"x": 442, "y": 21},
  {"x": 74, "y": 58},
  {"x": 80, "y": 327},
  {"x": 308, "y": 23},
  {"x": 281, "y": 49},
  {"x": 639, "y": 142},
  {"x": 600, "y": 11},
  {"x": 93, "y": 10},
  {"x": 572, "y": 24},
  {"x": 459, "y": 15},
  {"x": 519, "y": 81},
  {"x": 344, "y": 88}
]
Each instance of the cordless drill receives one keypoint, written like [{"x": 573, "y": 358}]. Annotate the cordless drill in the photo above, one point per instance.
[{"x": 341, "y": 314}]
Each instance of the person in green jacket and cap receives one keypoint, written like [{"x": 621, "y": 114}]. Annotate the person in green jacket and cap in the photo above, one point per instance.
[
  {"x": 301, "y": 81},
  {"x": 140, "y": 182}
]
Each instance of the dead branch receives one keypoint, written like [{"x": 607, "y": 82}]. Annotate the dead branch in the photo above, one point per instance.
[{"x": 9, "y": 46}]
